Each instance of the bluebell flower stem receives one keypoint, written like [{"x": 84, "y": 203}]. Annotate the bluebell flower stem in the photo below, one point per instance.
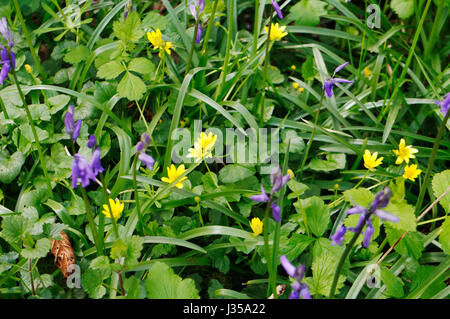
[
  {"x": 266, "y": 62},
  {"x": 266, "y": 246},
  {"x": 33, "y": 129},
  {"x": 437, "y": 141},
  {"x": 344, "y": 256},
  {"x": 29, "y": 42},
  {"x": 308, "y": 147},
  {"x": 136, "y": 194},
  {"x": 91, "y": 221},
  {"x": 191, "y": 52}
]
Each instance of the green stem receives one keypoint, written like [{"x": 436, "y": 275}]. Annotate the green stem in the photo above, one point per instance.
[
  {"x": 437, "y": 141},
  {"x": 191, "y": 52},
  {"x": 105, "y": 192},
  {"x": 266, "y": 62},
  {"x": 91, "y": 221},
  {"x": 209, "y": 29},
  {"x": 266, "y": 246},
  {"x": 362, "y": 180},
  {"x": 30, "y": 270},
  {"x": 347, "y": 250},
  {"x": 256, "y": 29},
  {"x": 33, "y": 129},
  {"x": 136, "y": 196},
  {"x": 308, "y": 147},
  {"x": 28, "y": 38}
]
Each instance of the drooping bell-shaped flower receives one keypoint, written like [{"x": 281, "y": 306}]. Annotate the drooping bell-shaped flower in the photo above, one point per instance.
[
  {"x": 277, "y": 8},
  {"x": 328, "y": 85},
  {"x": 297, "y": 273}
]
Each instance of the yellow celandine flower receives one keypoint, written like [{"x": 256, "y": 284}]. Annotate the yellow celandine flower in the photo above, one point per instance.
[
  {"x": 155, "y": 38},
  {"x": 116, "y": 207},
  {"x": 276, "y": 32},
  {"x": 290, "y": 173},
  {"x": 367, "y": 72},
  {"x": 173, "y": 173},
  {"x": 28, "y": 68},
  {"x": 257, "y": 226},
  {"x": 301, "y": 90},
  {"x": 404, "y": 152},
  {"x": 295, "y": 85},
  {"x": 411, "y": 172},
  {"x": 293, "y": 67},
  {"x": 203, "y": 146},
  {"x": 371, "y": 161}
]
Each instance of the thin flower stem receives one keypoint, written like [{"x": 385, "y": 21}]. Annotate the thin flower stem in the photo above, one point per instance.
[
  {"x": 91, "y": 221},
  {"x": 308, "y": 147},
  {"x": 437, "y": 141},
  {"x": 33, "y": 129},
  {"x": 191, "y": 52},
  {"x": 360, "y": 182},
  {"x": 266, "y": 62},
  {"x": 256, "y": 29},
  {"x": 29, "y": 42},
  {"x": 346, "y": 252},
  {"x": 266, "y": 246},
  {"x": 136, "y": 194}
]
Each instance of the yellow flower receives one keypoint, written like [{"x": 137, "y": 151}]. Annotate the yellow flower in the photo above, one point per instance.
[
  {"x": 411, "y": 172},
  {"x": 404, "y": 152},
  {"x": 257, "y": 226},
  {"x": 173, "y": 173},
  {"x": 276, "y": 32},
  {"x": 290, "y": 173},
  {"x": 371, "y": 161},
  {"x": 301, "y": 90},
  {"x": 116, "y": 207},
  {"x": 293, "y": 67},
  {"x": 295, "y": 85},
  {"x": 203, "y": 146},
  {"x": 367, "y": 72},
  {"x": 155, "y": 38},
  {"x": 28, "y": 68}
]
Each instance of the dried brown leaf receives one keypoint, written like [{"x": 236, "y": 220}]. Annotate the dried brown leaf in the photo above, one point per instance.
[{"x": 64, "y": 254}]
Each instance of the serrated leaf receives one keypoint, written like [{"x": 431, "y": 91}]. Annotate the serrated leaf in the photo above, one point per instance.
[
  {"x": 14, "y": 227},
  {"x": 296, "y": 245},
  {"x": 131, "y": 87},
  {"x": 92, "y": 281},
  {"x": 162, "y": 283},
  {"x": 323, "y": 268},
  {"x": 234, "y": 173},
  {"x": 110, "y": 70},
  {"x": 444, "y": 237},
  {"x": 440, "y": 183},
  {"x": 405, "y": 212},
  {"x": 361, "y": 196},
  {"x": 141, "y": 65},
  {"x": 77, "y": 54},
  {"x": 10, "y": 166},
  {"x": 128, "y": 248},
  {"x": 307, "y": 12},
  {"x": 333, "y": 162},
  {"x": 129, "y": 30},
  {"x": 41, "y": 249},
  {"x": 403, "y": 8},
  {"x": 411, "y": 245}
]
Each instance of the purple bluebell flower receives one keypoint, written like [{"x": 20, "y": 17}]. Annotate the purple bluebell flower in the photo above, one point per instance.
[
  {"x": 6, "y": 32},
  {"x": 277, "y": 8},
  {"x": 276, "y": 212},
  {"x": 73, "y": 129},
  {"x": 145, "y": 138},
  {"x": 278, "y": 180},
  {"x": 92, "y": 141},
  {"x": 95, "y": 164},
  {"x": 381, "y": 200},
  {"x": 196, "y": 8},
  {"x": 128, "y": 9},
  {"x": 445, "y": 104},
  {"x": 147, "y": 160},
  {"x": 297, "y": 273},
  {"x": 7, "y": 62},
  {"x": 339, "y": 236},
  {"x": 261, "y": 198},
  {"x": 199, "y": 33},
  {"x": 328, "y": 85},
  {"x": 139, "y": 146},
  {"x": 81, "y": 171}
]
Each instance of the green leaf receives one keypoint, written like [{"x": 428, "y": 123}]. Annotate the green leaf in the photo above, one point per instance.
[
  {"x": 129, "y": 248},
  {"x": 110, "y": 70},
  {"x": 361, "y": 196},
  {"x": 317, "y": 215},
  {"x": 92, "y": 281},
  {"x": 14, "y": 227},
  {"x": 162, "y": 283},
  {"x": 411, "y": 245},
  {"x": 10, "y": 166},
  {"x": 307, "y": 12},
  {"x": 440, "y": 183},
  {"x": 444, "y": 237},
  {"x": 297, "y": 188},
  {"x": 234, "y": 173},
  {"x": 308, "y": 70},
  {"x": 323, "y": 268},
  {"x": 406, "y": 214},
  {"x": 131, "y": 87},
  {"x": 155, "y": 20},
  {"x": 394, "y": 285},
  {"x": 291, "y": 138},
  {"x": 296, "y": 245},
  {"x": 41, "y": 249},
  {"x": 58, "y": 102},
  {"x": 333, "y": 162},
  {"x": 425, "y": 276},
  {"x": 403, "y": 8},
  {"x": 77, "y": 54},
  {"x": 129, "y": 30},
  {"x": 141, "y": 65},
  {"x": 274, "y": 74}
]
